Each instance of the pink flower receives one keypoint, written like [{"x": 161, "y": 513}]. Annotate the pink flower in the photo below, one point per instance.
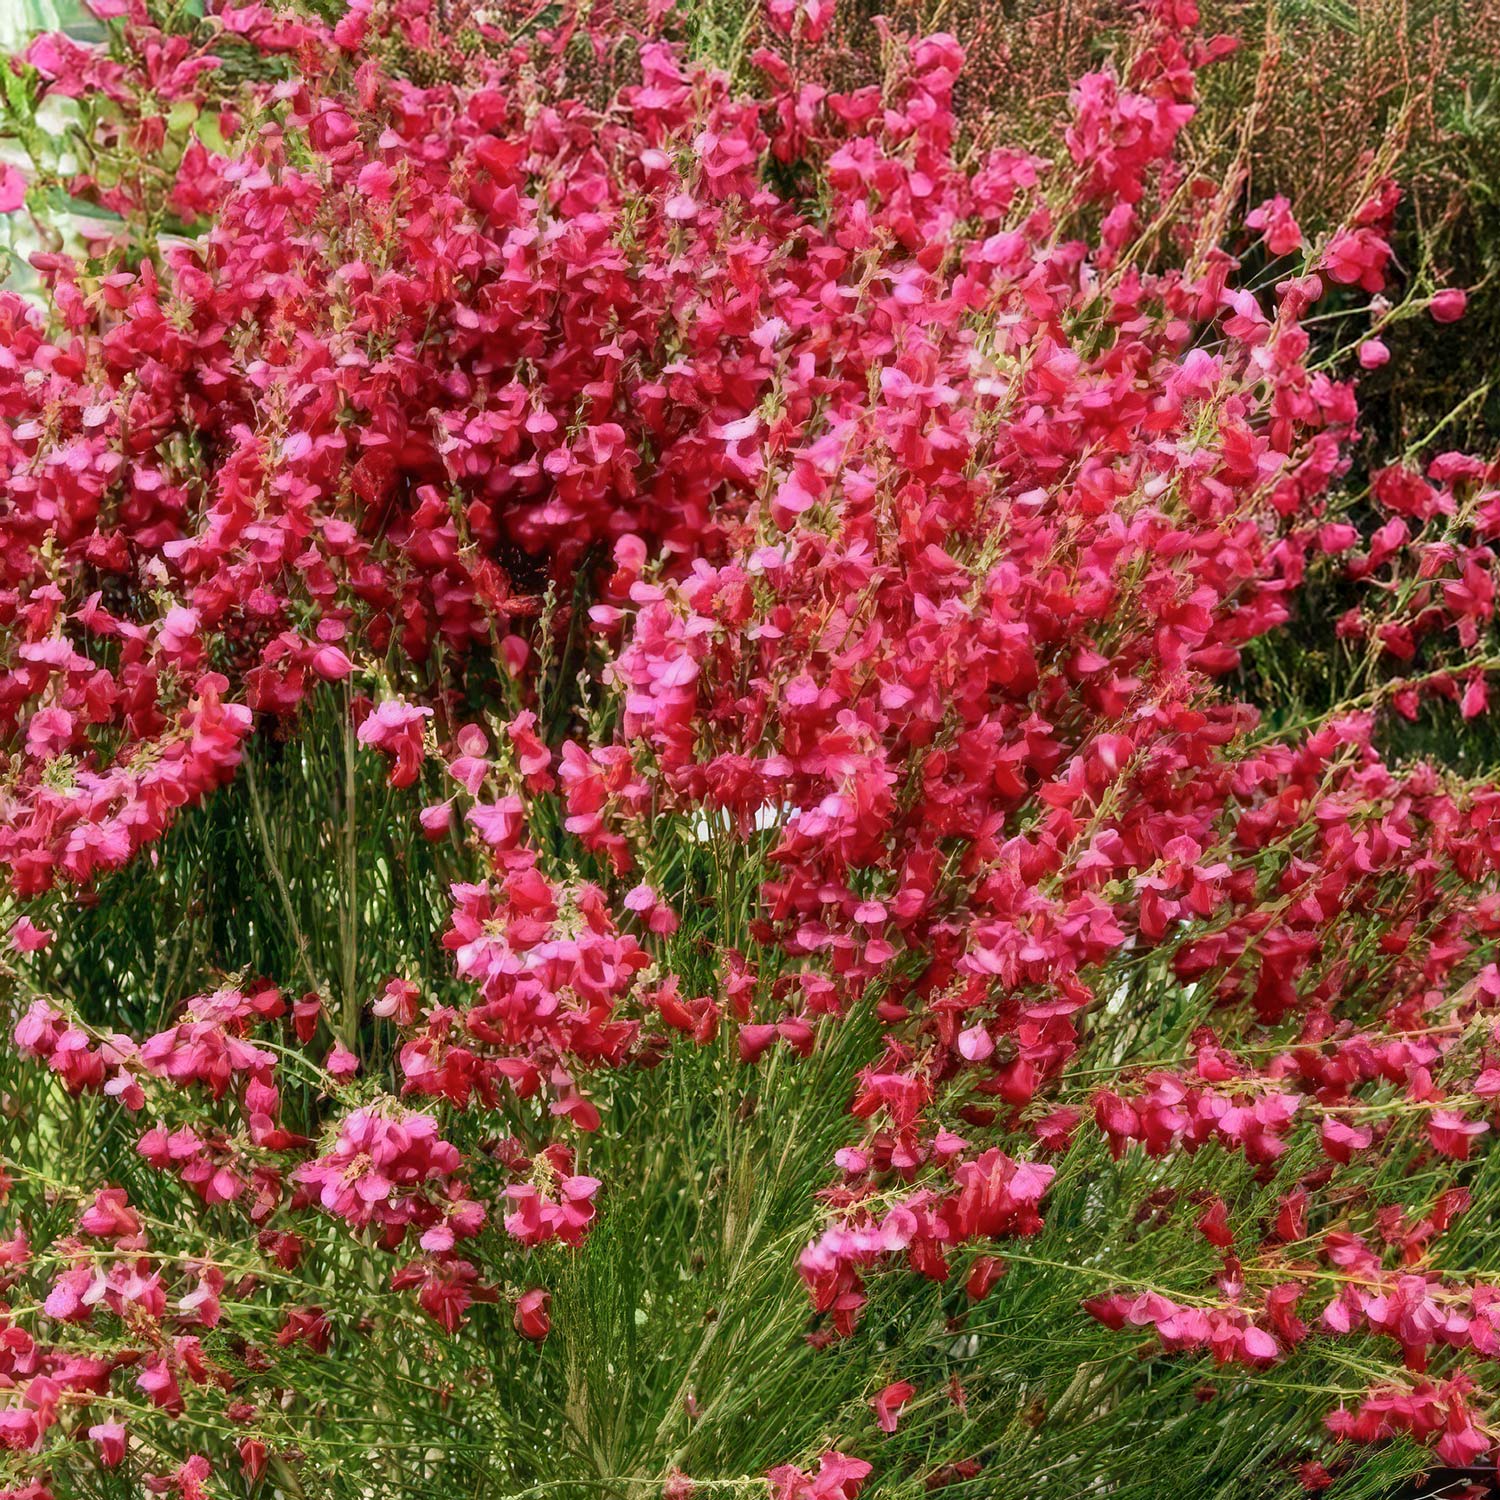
[
  {"x": 839, "y": 1477},
  {"x": 889, "y": 1402},
  {"x": 1274, "y": 218},
  {"x": 385, "y": 1169},
  {"x": 12, "y": 189},
  {"x": 332, "y": 663},
  {"x": 983, "y": 1274},
  {"x": 109, "y": 1438},
  {"x": 110, "y": 1216},
  {"x": 532, "y": 1320},
  {"x": 1357, "y": 257},
  {"x": 657, "y": 915},
  {"x": 1453, "y": 1134},
  {"x": 186, "y": 1482},
  {"x": 814, "y": 16},
  {"x": 394, "y": 727},
  {"x": 341, "y": 1062},
  {"x": 536, "y": 1218},
  {"x": 1448, "y": 305},
  {"x": 27, "y": 937}
]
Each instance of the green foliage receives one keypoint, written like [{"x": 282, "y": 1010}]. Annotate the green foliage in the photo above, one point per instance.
[{"x": 678, "y": 1328}]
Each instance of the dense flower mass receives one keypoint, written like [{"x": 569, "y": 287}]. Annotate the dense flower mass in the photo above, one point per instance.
[{"x": 775, "y": 589}]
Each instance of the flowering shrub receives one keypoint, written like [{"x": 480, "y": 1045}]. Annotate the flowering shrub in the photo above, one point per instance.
[{"x": 680, "y": 660}]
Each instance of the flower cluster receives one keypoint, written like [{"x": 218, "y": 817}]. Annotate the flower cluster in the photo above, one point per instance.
[{"x": 804, "y": 578}]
